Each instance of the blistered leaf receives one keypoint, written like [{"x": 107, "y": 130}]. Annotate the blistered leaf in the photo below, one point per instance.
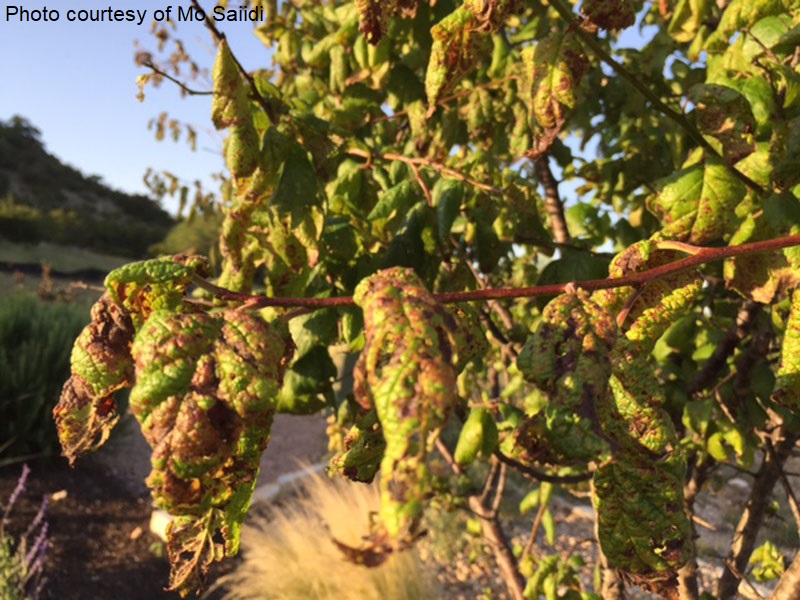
[
  {"x": 765, "y": 276},
  {"x": 455, "y": 45},
  {"x": 363, "y": 449},
  {"x": 101, "y": 364},
  {"x": 568, "y": 358},
  {"x": 375, "y": 15},
  {"x": 205, "y": 395},
  {"x": 697, "y": 204},
  {"x": 787, "y": 382},
  {"x": 143, "y": 287},
  {"x": 725, "y": 115},
  {"x": 406, "y": 372},
  {"x": 554, "y": 68},
  {"x": 611, "y": 14},
  {"x": 641, "y": 523},
  {"x": 231, "y": 110}
]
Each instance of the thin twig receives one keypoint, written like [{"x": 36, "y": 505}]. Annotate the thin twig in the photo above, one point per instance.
[
  {"x": 192, "y": 92},
  {"x": 425, "y": 162}
]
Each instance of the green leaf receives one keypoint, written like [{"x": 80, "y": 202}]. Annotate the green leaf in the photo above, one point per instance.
[
  {"x": 697, "y": 204},
  {"x": 787, "y": 383},
  {"x": 687, "y": 17},
  {"x": 725, "y": 115},
  {"x": 406, "y": 372},
  {"x": 554, "y": 68},
  {"x": 447, "y": 196},
  {"x": 297, "y": 187}
]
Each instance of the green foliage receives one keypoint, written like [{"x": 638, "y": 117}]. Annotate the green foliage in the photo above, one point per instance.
[
  {"x": 35, "y": 340},
  {"x": 399, "y": 150}
]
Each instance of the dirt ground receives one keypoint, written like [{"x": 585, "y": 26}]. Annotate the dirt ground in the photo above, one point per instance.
[{"x": 100, "y": 544}]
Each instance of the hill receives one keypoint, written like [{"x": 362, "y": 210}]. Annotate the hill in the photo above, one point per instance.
[{"x": 42, "y": 199}]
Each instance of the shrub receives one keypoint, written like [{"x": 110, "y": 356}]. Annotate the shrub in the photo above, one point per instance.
[
  {"x": 35, "y": 342},
  {"x": 21, "y": 559}
]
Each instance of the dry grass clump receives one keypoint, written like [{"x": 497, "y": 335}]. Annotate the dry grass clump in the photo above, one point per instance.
[{"x": 290, "y": 555}]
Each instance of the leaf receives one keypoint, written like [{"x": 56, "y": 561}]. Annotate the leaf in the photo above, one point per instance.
[
  {"x": 554, "y": 68},
  {"x": 374, "y": 16},
  {"x": 205, "y": 394},
  {"x": 456, "y": 42},
  {"x": 766, "y": 276},
  {"x": 725, "y": 115},
  {"x": 230, "y": 109},
  {"x": 478, "y": 437},
  {"x": 739, "y": 14},
  {"x": 296, "y": 191},
  {"x": 697, "y": 204},
  {"x": 406, "y": 372},
  {"x": 101, "y": 364},
  {"x": 568, "y": 358},
  {"x": 687, "y": 17},
  {"x": 143, "y": 287},
  {"x": 611, "y": 14},
  {"x": 641, "y": 524},
  {"x": 787, "y": 382}
]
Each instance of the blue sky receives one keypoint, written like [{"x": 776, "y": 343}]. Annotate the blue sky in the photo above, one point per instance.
[{"x": 76, "y": 82}]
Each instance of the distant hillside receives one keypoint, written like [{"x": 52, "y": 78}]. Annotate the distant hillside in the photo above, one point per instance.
[{"x": 42, "y": 199}]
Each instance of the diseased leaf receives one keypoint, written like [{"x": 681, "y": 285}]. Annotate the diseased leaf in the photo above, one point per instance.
[
  {"x": 787, "y": 382},
  {"x": 568, "y": 358},
  {"x": 554, "y": 68},
  {"x": 101, "y": 364},
  {"x": 724, "y": 114},
  {"x": 766, "y": 276},
  {"x": 205, "y": 395},
  {"x": 611, "y": 14},
  {"x": 641, "y": 523},
  {"x": 375, "y": 15},
  {"x": 143, "y": 287},
  {"x": 406, "y": 372},
  {"x": 697, "y": 204}
]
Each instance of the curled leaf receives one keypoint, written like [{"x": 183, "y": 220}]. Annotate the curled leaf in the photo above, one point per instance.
[
  {"x": 374, "y": 16},
  {"x": 568, "y": 358},
  {"x": 406, "y": 372},
  {"x": 787, "y": 382},
  {"x": 101, "y": 365},
  {"x": 205, "y": 394},
  {"x": 554, "y": 68},
  {"x": 611, "y": 14},
  {"x": 145, "y": 286}
]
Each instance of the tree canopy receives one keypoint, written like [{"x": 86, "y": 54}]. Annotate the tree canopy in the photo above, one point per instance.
[{"x": 574, "y": 248}]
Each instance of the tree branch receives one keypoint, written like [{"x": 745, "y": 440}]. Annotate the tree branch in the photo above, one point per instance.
[
  {"x": 744, "y": 537},
  {"x": 702, "y": 256},
  {"x": 552, "y": 200}
]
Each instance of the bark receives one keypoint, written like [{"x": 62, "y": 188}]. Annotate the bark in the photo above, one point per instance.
[
  {"x": 789, "y": 585},
  {"x": 744, "y": 537}
]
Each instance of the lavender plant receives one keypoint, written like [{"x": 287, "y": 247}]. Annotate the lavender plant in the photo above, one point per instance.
[{"x": 22, "y": 558}]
